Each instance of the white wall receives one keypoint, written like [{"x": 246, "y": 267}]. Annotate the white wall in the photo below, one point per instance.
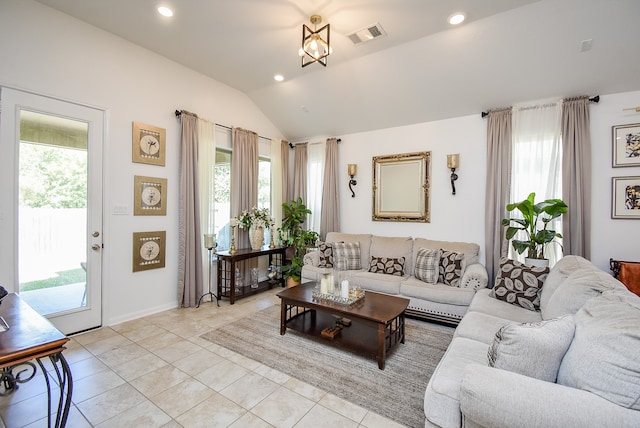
[{"x": 53, "y": 54}]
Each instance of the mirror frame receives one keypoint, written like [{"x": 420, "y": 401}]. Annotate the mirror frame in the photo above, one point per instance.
[{"x": 414, "y": 173}]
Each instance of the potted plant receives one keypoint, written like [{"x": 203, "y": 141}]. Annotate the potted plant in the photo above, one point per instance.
[
  {"x": 295, "y": 237},
  {"x": 535, "y": 224}
]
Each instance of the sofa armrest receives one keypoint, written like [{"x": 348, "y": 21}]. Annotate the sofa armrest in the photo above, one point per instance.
[
  {"x": 498, "y": 398},
  {"x": 475, "y": 276},
  {"x": 311, "y": 259}
]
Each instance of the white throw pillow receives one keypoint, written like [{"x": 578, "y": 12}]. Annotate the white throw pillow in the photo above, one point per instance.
[
  {"x": 604, "y": 357},
  {"x": 427, "y": 266},
  {"x": 532, "y": 349}
]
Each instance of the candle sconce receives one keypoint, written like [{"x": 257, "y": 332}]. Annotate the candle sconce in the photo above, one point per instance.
[
  {"x": 352, "y": 173},
  {"x": 453, "y": 162}
]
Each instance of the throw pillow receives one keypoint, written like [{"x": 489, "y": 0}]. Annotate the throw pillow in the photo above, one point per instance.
[
  {"x": 387, "y": 265},
  {"x": 427, "y": 266},
  {"x": 519, "y": 284},
  {"x": 451, "y": 268},
  {"x": 532, "y": 349},
  {"x": 326, "y": 254},
  {"x": 603, "y": 357},
  {"x": 346, "y": 255}
]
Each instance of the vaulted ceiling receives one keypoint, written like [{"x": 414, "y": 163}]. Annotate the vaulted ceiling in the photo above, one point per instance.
[{"x": 423, "y": 69}]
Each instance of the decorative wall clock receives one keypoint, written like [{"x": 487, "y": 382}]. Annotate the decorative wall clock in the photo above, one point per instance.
[
  {"x": 150, "y": 195},
  {"x": 148, "y": 250},
  {"x": 149, "y": 144}
]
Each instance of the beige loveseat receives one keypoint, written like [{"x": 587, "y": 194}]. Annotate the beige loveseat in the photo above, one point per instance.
[
  {"x": 429, "y": 300},
  {"x": 572, "y": 363}
]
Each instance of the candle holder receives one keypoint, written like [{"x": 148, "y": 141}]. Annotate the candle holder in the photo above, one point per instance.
[
  {"x": 272, "y": 243},
  {"x": 210, "y": 244},
  {"x": 233, "y": 249}
]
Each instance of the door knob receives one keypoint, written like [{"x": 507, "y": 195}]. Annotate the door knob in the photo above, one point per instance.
[
  {"x": 95, "y": 247},
  {"x": 95, "y": 234}
]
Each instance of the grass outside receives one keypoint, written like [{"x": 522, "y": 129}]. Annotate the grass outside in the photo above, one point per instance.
[{"x": 66, "y": 277}]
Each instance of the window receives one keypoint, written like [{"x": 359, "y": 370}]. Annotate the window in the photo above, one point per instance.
[
  {"x": 264, "y": 190},
  {"x": 222, "y": 198}
]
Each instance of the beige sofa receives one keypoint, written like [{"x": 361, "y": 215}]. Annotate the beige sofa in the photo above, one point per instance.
[
  {"x": 573, "y": 363},
  {"x": 434, "y": 301}
]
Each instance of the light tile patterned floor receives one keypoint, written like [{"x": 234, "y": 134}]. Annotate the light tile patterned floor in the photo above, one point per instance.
[{"x": 157, "y": 372}]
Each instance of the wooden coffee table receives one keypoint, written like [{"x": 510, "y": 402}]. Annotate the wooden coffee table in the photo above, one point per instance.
[{"x": 377, "y": 321}]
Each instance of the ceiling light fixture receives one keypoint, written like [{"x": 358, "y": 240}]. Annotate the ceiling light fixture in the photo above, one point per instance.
[
  {"x": 315, "y": 44},
  {"x": 456, "y": 18},
  {"x": 278, "y": 77},
  {"x": 165, "y": 11}
]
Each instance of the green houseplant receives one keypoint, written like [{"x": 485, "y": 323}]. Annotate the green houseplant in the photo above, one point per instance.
[
  {"x": 292, "y": 235},
  {"x": 535, "y": 223}
]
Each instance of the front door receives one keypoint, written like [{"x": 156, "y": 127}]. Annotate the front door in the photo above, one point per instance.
[{"x": 51, "y": 207}]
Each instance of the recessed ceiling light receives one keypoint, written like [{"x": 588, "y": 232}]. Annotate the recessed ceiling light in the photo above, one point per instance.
[
  {"x": 456, "y": 18},
  {"x": 165, "y": 11},
  {"x": 278, "y": 77}
]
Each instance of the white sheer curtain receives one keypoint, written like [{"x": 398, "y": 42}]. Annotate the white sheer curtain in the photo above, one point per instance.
[
  {"x": 206, "y": 175},
  {"x": 315, "y": 175},
  {"x": 537, "y": 161}
]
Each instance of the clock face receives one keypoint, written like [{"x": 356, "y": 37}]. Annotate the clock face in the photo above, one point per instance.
[
  {"x": 149, "y": 145},
  {"x": 149, "y": 250},
  {"x": 151, "y": 196}
]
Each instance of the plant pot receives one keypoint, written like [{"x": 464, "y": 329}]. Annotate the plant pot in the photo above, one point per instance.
[
  {"x": 256, "y": 237},
  {"x": 292, "y": 282},
  {"x": 536, "y": 262}
]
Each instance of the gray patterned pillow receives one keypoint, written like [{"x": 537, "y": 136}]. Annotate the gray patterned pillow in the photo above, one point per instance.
[
  {"x": 451, "y": 268},
  {"x": 387, "y": 265},
  {"x": 346, "y": 255},
  {"x": 427, "y": 266},
  {"x": 519, "y": 284},
  {"x": 326, "y": 254}
]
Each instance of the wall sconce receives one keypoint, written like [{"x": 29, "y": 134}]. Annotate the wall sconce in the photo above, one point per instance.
[
  {"x": 352, "y": 173},
  {"x": 453, "y": 161}
]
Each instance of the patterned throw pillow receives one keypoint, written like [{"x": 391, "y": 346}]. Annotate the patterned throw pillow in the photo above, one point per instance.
[
  {"x": 519, "y": 284},
  {"x": 427, "y": 267},
  {"x": 326, "y": 254},
  {"x": 387, "y": 265},
  {"x": 346, "y": 255},
  {"x": 451, "y": 268}
]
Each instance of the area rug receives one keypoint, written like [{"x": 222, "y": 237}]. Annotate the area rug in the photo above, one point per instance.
[{"x": 397, "y": 392}]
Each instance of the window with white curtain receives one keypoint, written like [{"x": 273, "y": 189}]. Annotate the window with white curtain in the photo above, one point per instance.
[
  {"x": 537, "y": 163},
  {"x": 315, "y": 177}
]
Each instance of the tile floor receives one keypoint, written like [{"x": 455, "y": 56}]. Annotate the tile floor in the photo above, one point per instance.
[{"x": 156, "y": 371}]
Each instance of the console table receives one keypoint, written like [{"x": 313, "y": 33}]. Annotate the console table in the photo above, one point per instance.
[
  {"x": 28, "y": 336},
  {"x": 227, "y": 272}
]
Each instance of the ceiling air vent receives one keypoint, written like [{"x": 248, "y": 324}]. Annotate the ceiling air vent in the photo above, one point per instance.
[{"x": 366, "y": 34}]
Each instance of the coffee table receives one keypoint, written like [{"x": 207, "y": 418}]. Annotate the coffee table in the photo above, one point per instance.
[{"x": 377, "y": 320}]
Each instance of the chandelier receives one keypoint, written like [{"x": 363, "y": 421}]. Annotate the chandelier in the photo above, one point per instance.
[{"x": 315, "y": 44}]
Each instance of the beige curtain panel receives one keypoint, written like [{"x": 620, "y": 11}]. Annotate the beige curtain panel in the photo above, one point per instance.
[{"x": 330, "y": 213}]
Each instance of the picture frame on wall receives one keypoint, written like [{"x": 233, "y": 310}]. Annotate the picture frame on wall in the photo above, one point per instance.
[
  {"x": 149, "y": 144},
  {"x": 150, "y": 195},
  {"x": 149, "y": 250},
  {"x": 625, "y": 198},
  {"x": 626, "y": 145}
]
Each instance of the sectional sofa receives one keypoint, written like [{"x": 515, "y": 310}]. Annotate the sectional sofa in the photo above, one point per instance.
[
  {"x": 572, "y": 361},
  {"x": 444, "y": 297}
]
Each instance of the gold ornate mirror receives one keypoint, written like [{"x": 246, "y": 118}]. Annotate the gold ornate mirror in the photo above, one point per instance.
[{"x": 401, "y": 187}]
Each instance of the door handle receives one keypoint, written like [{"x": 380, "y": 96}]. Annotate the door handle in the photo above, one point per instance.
[{"x": 95, "y": 247}]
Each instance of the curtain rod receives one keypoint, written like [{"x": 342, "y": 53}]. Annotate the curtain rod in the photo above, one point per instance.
[
  {"x": 179, "y": 113},
  {"x": 595, "y": 99},
  {"x": 291, "y": 145}
]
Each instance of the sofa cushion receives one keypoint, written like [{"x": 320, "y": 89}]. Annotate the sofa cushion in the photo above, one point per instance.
[
  {"x": 346, "y": 255},
  {"x": 519, "y": 284},
  {"x": 471, "y": 251},
  {"x": 427, "y": 265},
  {"x": 387, "y": 266},
  {"x": 532, "y": 349},
  {"x": 484, "y": 303},
  {"x": 363, "y": 239},
  {"x": 325, "y": 251},
  {"x": 389, "y": 284},
  {"x": 441, "y": 399},
  {"x": 452, "y": 266},
  {"x": 603, "y": 357},
  {"x": 439, "y": 293},
  {"x": 560, "y": 271},
  {"x": 580, "y": 286},
  {"x": 393, "y": 247},
  {"x": 483, "y": 327}
]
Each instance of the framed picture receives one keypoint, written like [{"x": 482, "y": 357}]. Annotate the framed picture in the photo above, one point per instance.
[
  {"x": 625, "y": 197},
  {"x": 148, "y": 250},
  {"x": 148, "y": 144},
  {"x": 150, "y": 195},
  {"x": 626, "y": 145}
]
